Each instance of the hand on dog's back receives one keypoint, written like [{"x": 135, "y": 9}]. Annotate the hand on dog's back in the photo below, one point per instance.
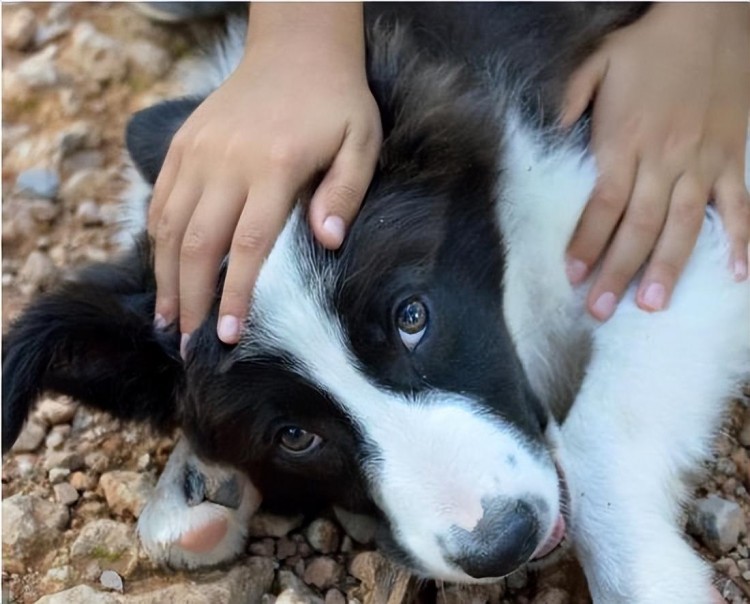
[{"x": 298, "y": 106}]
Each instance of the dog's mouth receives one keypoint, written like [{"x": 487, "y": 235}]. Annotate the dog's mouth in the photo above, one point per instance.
[{"x": 557, "y": 536}]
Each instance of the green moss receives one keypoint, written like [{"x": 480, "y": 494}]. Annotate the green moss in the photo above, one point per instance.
[{"x": 101, "y": 553}]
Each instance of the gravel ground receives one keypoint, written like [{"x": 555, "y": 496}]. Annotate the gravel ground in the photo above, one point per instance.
[{"x": 75, "y": 483}]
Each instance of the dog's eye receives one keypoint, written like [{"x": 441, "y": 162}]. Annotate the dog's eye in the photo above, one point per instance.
[
  {"x": 296, "y": 440},
  {"x": 411, "y": 319}
]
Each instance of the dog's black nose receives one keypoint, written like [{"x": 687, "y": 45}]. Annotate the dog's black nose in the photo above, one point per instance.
[{"x": 502, "y": 540}]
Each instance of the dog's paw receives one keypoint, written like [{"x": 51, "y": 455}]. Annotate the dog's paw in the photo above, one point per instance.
[{"x": 199, "y": 513}]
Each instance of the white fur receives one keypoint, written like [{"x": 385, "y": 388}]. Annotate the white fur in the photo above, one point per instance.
[
  {"x": 653, "y": 392},
  {"x": 167, "y": 516}
]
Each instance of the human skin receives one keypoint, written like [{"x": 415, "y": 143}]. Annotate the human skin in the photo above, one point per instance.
[
  {"x": 671, "y": 99},
  {"x": 298, "y": 107}
]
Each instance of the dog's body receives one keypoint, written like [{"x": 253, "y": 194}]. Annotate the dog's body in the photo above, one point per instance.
[{"x": 434, "y": 372}]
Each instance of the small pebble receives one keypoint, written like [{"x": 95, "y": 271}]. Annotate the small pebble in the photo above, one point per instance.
[
  {"x": 58, "y": 475},
  {"x": 38, "y": 182},
  {"x": 65, "y": 493},
  {"x": 111, "y": 580}
]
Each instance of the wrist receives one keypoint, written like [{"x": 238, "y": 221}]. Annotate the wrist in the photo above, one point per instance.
[{"x": 322, "y": 33}]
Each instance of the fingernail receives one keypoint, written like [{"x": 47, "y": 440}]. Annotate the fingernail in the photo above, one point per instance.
[
  {"x": 654, "y": 297},
  {"x": 740, "y": 270},
  {"x": 604, "y": 306},
  {"x": 335, "y": 227},
  {"x": 229, "y": 329},
  {"x": 575, "y": 270},
  {"x": 183, "y": 345},
  {"x": 160, "y": 322}
]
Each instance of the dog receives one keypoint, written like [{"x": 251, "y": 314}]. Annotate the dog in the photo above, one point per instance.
[{"x": 438, "y": 374}]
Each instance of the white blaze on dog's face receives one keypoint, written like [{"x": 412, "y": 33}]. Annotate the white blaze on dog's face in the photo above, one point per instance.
[{"x": 459, "y": 477}]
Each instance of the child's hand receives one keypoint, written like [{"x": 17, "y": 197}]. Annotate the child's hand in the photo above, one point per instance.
[
  {"x": 297, "y": 106},
  {"x": 669, "y": 126}
]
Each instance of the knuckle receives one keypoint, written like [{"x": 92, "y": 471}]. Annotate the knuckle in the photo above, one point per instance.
[
  {"x": 251, "y": 241},
  {"x": 645, "y": 220},
  {"x": 687, "y": 215},
  {"x": 284, "y": 155},
  {"x": 166, "y": 235},
  {"x": 609, "y": 199},
  {"x": 197, "y": 243}
]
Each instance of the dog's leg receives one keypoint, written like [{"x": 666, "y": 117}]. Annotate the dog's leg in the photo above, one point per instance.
[
  {"x": 199, "y": 513},
  {"x": 649, "y": 405}
]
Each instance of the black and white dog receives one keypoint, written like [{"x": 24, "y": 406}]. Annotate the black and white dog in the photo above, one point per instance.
[{"x": 436, "y": 372}]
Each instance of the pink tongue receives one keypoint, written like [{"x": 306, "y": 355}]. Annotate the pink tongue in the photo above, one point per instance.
[{"x": 554, "y": 539}]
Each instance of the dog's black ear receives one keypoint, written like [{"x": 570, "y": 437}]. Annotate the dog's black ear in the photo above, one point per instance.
[
  {"x": 149, "y": 133},
  {"x": 93, "y": 338}
]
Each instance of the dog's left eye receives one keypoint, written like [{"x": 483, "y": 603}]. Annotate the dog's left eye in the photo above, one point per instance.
[
  {"x": 411, "y": 319},
  {"x": 296, "y": 440}
]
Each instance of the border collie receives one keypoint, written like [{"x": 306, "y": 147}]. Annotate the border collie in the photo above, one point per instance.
[{"x": 438, "y": 374}]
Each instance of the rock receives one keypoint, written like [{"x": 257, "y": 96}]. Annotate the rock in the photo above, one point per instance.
[
  {"x": 112, "y": 544},
  {"x": 65, "y": 493},
  {"x": 323, "y": 535},
  {"x": 717, "y": 522},
  {"x": 88, "y": 213},
  {"x": 264, "y": 524},
  {"x": 323, "y": 572},
  {"x": 289, "y": 596},
  {"x": 552, "y": 596},
  {"x": 78, "y": 595},
  {"x": 147, "y": 58},
  {"x": 744, "y": 436},
  {"x": 58, "y": 578},
  {"x": 38, "y": 272},
  {"x": 97, "y": 56},
  {"x": 78, "y": 136},
  {"x": 38, "y": 182},
  {"x": 71, "y": 102},
  {"x": 285, "y": 548},
  {"x": 144, "y": 462},
  {"x": 19, "y": 27},
  {"x": 31, "y": 524},
  {"x": 44, "y": 211},
  {"x": 82, "y": 481},
  {"x": 55, "y": 411},
  {"x": 16, "y": 92},
  {"x": 295, "y": 589},
  {"x": 728, "y": 567},
  {"x": 382, "y": 581},
  {"x": 57, "y": 475},
  {"x": 240, "y": 585},
  {"x": 40, "y": 70},
  {"x": 57, "y": 436},
  {"x": 70, "y": 460},
  {"x": 31, "y": 436},
  {"x": 87, "y": 183},
  {"x": 334, "y": 596},
  {"x": 359, "y": 527},
  {"x": 97, "y": 461},
  {"x": 471, "y": 594},
  {"x": 126, "y": 491},
  {"x": 111, "y": 580}
]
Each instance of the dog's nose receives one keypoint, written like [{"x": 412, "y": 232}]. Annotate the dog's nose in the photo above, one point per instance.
[{"x": 503, "y": 539}]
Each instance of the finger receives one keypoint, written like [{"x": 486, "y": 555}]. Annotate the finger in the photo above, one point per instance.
[
  {"x": 684, "y": 219},
  {"x": 206, "y": 242},
  {"x": 168, "y": 235},
  {"x": 634, "y": 240},
  {"x": 581, "y": 88},
  {"x": 163, "y": 186},
  {"x": 339, "y": 196},
  {"x": 601, "y": 214},
  {"x": 261, "y": 221},
  {"x": 733, "y": 203}
]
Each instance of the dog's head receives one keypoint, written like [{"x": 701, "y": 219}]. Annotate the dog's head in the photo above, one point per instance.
[{"x": 380, "y": 378}]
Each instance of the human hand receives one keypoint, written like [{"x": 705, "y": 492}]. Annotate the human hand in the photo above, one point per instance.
[
  {"x": 297, "y": 106},
  {"x": 669, "y": 126}
]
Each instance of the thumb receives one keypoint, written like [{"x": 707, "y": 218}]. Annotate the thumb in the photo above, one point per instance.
[
  {"x": 339, "y": 196},
  {"x": 581, "y": 88}
]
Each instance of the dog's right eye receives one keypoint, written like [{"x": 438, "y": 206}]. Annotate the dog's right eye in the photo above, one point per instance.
[{"x": 297, "y": 441}]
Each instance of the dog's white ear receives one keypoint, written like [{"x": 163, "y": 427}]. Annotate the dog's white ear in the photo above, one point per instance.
[
  {"x": 93, "y": 338},
  {"x": 149, "y": 133}
]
